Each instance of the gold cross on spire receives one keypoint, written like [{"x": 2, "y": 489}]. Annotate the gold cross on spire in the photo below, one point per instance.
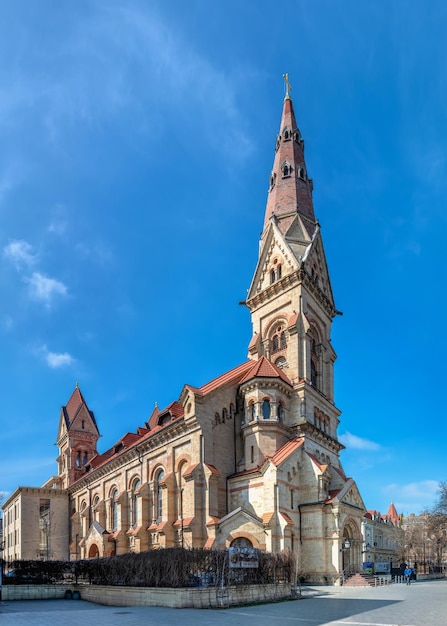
[{"x": 288, "y": 85}]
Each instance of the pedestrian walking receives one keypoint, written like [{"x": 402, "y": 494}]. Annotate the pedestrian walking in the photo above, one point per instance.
[{"x": 408, "y": 573}]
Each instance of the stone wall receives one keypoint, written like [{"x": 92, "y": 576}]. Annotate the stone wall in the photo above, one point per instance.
[{"x": 150, "y": 596}]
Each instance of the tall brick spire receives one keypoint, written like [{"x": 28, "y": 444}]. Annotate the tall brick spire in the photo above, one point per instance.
[{"x": 290, "y": 189}]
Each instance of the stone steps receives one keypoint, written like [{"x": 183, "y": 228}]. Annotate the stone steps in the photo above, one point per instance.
[{"x": 360, "y": 580}]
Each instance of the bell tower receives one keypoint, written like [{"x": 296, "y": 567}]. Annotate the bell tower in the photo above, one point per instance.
[
  {"x": 77, "y": 438},
  {"x": 290, "y": 298}
]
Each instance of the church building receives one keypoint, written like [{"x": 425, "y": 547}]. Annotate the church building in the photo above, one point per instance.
[{"x": 251, "y": 458}]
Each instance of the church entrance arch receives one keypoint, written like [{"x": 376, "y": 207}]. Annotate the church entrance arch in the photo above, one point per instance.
[{"x": 93, "y": 552}]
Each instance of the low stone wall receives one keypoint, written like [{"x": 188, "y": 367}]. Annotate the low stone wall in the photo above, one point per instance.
[
  {"x": 33, "y": 592},
  {"x": 151, "y": 596}
]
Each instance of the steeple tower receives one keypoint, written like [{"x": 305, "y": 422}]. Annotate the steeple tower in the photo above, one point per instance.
[
  {"x": 290, "y": 298},
  {"x": 290, "y": 191},
  {"x": 77, "y": 438}
]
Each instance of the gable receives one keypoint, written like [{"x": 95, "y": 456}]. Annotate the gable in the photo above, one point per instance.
[
  {"x": 275, "y": 253},
  {"x": 314, "y": 263},
  {"x": 348, "y": 494}
]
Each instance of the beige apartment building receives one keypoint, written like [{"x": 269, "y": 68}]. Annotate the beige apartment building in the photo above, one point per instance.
[{"x": 250, "y": 458}]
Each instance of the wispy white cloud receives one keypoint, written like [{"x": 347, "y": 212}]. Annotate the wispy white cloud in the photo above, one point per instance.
[
  {"x": 20, "y": 253},
  {"x": 45, "y": 288},
  {"x": 413, "y": 497},
  {"x": 55, "y": 360},
  {"x": 127, "y": 59},
  {"x": 358, "y": 443}
]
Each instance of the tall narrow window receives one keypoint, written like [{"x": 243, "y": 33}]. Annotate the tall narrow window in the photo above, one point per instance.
[
  {"x": 251, "y": 411},
  {"x": 135, "y": 501},
  {"x": 159, "y": 495},
  {"x": 279, "y": 412},
  {"x": 114, "y": 510},
  {"x": 313, "y": 373},
  {"x": 266, "y": 409}
]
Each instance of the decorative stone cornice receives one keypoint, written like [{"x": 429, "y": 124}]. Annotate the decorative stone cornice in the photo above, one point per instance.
[{"x": 307, "y": 429}]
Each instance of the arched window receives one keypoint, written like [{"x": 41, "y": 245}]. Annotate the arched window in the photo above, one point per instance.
[
  {"x": 279, "y": 412},
  {"x": 159, "y": 494},
  {"x": 231, "y": 411},
  {"x": 114, "y": 510},
  {"x": 272, "y": 276},
  {"x": 135, "y": 501},
  {"x": 251, "y": 411},
  {"x": 279, "y": 272},
  {"x": 286, "y": 134},
  {"x": 224, "y": 415},
  {"x": 266, "y": 409},
  {"x": 278, "y": 339},
  {"x": 78, "y": 459},
  {"x": 85, "y": 459},
  {"x": 281, "y": 362}
]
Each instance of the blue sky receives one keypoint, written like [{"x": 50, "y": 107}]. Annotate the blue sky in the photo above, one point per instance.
[{"x": 136, "y": 142}]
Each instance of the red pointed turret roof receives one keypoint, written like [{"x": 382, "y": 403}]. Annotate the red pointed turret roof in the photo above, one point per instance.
[
  {"x": 393, "y": 514},
  {"x": 290, "y": 190},
  {"x": 73, "y": 406},
  {"x": 263, "y": 368}
]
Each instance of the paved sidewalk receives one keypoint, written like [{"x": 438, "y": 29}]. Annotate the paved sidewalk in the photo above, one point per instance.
[{"x": 421, "y": 604}]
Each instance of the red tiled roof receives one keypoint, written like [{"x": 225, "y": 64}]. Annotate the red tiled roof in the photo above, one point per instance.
[
  {"x": 175, "y": 409},
  {"x": 189, "y": 470},
  {"x": 253, "y": 470},
  {"x": 266, "y": 517},
  {"x": 293, "y": 319},
  {"x": 209, "y": 543},
  {"x": 186, "y": 521},
  {"x": 333, "y": 493},
  {"x": 253, "y": 341},
  {"x": 133, "y": 531},
  {"x": 212, "y": 469},
  {"x": 212, "y": 520},
  {"x": 263, "y": 368},
  {"x": 288, "y": 519},
  {"x": 286, "y": 450},
  {"x": 393, "y": 514},
  {"x": 232, "y": 376},
  {"x": 73, "y": 404}
]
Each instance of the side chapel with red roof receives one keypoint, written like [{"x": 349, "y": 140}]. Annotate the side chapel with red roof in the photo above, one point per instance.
[{"x": 251, "y": 458}]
